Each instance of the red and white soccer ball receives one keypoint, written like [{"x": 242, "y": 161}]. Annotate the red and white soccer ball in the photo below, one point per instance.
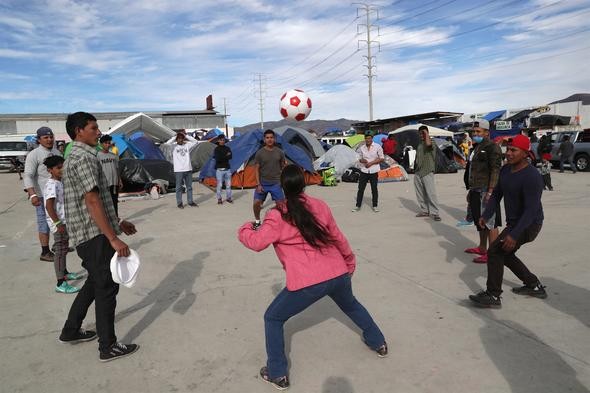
[{"x": 295, "y": 104}]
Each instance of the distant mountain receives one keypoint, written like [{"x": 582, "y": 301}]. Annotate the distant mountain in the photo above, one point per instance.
[{"x": 320, "y": 127}]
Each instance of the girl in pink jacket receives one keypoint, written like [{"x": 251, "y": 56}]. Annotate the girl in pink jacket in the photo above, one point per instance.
[{"x": 318, "y": 262}]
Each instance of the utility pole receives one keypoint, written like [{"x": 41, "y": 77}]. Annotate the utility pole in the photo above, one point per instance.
[
  {"x": 225, "y": 117},
  {"x": 368, "y": 9},
  {"x": 261, "y": 97}
]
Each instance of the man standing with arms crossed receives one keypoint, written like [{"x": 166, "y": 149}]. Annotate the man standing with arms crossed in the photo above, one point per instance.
[
  {"x": 521, "y": 186},
  {"x": 371, "y": 156},
  {"x": 270, "y": 161},
  {"x": 35, "y": 178},
  {"x": 110, "y": 167},
  {"x": 93, "y": 228},
  {"x": 484, "y": 170},
  {"x": 424, "y": 168}
]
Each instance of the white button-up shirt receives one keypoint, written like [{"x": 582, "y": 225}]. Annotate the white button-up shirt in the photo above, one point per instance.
[{"x": 370, "y": 154}]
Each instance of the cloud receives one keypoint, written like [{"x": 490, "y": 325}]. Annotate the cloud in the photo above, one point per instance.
[
  {"x": 15, "y": 54},
  {"x": 16, "y": 23}
]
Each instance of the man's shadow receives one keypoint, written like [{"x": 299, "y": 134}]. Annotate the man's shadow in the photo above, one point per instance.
[
  {"x": 454, "y": 244},
  {"x": 568, "y": 298},
  {"x": 168, "y": 293},
  {"x": 337, "y": 385}
]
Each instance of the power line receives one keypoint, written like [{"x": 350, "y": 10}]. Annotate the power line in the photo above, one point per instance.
[{"x": 420, "y": 13}]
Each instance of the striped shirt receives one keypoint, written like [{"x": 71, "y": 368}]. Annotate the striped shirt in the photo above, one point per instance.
[
  {"x": 82, "y": 174},
  {"x": 424, "y": 163}
]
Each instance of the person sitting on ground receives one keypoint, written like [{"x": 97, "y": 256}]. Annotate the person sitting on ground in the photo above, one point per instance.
[
  {"x": 53, "y": 196},
  {"x": 318, "y": 262}
]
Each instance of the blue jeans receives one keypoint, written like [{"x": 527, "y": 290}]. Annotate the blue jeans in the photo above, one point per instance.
[
  {"x": 187, "y": 179},
  {"x": 223, "y": 175},
  {"x": 290, "y": 303},
  {"x": 569, "y": 160}
]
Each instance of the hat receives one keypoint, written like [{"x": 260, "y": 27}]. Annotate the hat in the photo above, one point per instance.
[
  {"x": 481, "y": 123},
  {"x": 125, "y": 269},
  {"x": 44, "y": 131},
  {"x": 520, "y": 141}
]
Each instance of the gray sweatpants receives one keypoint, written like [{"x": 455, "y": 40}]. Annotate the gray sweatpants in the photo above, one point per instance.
[
  {"x": 60, "y": 248},
  {"x": 426, "y": 194}
]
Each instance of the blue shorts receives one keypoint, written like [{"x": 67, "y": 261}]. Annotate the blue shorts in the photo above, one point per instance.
[
  {"x": 275, "y": 190},
  {"x": 42, "y": 226}
]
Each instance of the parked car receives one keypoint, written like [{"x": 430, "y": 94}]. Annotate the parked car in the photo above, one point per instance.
[
  {"x": 13, "y": 150},
  {"x": 581, "y": 140}
]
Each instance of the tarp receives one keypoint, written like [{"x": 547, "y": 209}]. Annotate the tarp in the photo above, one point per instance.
[
  {"x": 212, "y": 134},
  {"x": 147, "y": 147},
  {"x": 135, "y": 174},
  {"x": 127, "y": 148},
  {"x": 433, "y": 131},
  {"x": 200, "y": 153},
  {"x": 241, "y": 164},
  {"x": 301, "y": 138},
  {"x": 354, "y": 140},
  {"x": 494, "y": 115},
  {"x": 379, "y": 139},
  {"x": 143, "y": 122},
  {"x": 411, "y": 138}
]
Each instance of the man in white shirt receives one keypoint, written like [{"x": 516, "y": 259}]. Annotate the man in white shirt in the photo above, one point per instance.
[
  {"x": 371, "y": 155},
  {"x": 183, "y": 169}
]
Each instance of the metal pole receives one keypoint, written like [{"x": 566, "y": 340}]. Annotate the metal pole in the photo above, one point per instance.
[
  {"x": 225, "y": 117},
  {"x": 261, "y": 104},
  {"x": 369, "y": 63}
]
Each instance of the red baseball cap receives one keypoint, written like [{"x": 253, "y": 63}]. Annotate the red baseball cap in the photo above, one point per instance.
[{"x": 520, "y": 141}]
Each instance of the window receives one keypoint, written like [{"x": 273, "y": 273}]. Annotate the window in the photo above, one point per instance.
[{"x": 13, "y": 146}]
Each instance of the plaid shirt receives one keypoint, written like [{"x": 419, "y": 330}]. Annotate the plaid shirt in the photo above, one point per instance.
[{"x": 82, "y": 174}]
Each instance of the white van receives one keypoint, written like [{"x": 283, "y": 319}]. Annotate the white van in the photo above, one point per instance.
[{"x": 13, "y": 148}]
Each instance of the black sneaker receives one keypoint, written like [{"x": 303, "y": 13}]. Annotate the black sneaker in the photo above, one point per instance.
[
  {"x": 256, "y": 225},
  {"x": 117, "y": 351},
  {"x": 193, "y": 204},
  {"x": 47, "y": 257},
  {"x": 180, "y": 206},
  {"x": 486, "y": 300},
  {"x": 280, "y": 383},
  {"x": 80, "y": 336},
  {"x": 537, "y": 291},
  {"x": 382, "y": 350}
]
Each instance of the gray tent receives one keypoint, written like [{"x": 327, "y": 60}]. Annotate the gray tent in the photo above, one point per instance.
[{"x": 301, "y": 138}]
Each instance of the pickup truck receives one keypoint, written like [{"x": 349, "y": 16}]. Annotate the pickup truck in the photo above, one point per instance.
[
  {"x": 581, "y": 140},
  {"x": 13, "y": 150}
]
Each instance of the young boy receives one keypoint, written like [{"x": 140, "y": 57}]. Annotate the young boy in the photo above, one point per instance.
[
  {"x": 546, "y": 171},
  {"x": 54, "y": 209}
]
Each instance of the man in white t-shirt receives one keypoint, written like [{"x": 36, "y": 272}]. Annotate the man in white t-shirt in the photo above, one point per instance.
[
  {"x": 183, "y": 169},
  {"x": 371, "y": 155}
]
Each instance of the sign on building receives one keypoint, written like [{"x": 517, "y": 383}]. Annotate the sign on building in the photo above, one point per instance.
[{"x": 503, "y": 125}]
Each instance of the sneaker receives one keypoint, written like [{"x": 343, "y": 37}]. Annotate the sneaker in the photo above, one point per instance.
[
  {"x": 422, "y": 214},
  {"x": 229, "y": 200},
  {"x": 47, "y": 257},
  {"x": 356, "y": 209},
  {"x": 436, "y": 218},
  {"x": 475, "y": 250},
  {"x": 537, "y": 291},
  {"x": 71, "y": 249},
  {"x": 66, "y": 288},
  {"x": 80, "y": 336},
  {"x": 375, "y": 209},
  {"x": 219, "y": 202},
  {"x": 117, "y": 351},
  {"x": 481, "y": 259},
  {"x": 464, "y": 223},
  {"x": 486, "y": 300},
  {"x": 180, "y": 206},
  {"x": 280, "y": 383},
  {"x": 256, "y": 225},
  {"x": 73, "y": 276},
  {"x": 382, "y": 350},
  {"x": 193, "y": 204}
]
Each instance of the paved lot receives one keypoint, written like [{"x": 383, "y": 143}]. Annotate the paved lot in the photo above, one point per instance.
[{"x": 197, "y": 307}]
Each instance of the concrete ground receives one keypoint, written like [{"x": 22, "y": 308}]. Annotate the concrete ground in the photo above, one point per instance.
[{"x": 197, "y": 307}]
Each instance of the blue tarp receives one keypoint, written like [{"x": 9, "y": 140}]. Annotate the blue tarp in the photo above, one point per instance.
[
  {"x": 244, "y": 147},
  {"x": 148, "y": 148},
  {"x": 494, "y": 115},
  {"x": 379, "y": 138},
  {"x": 212, "y": 134}
]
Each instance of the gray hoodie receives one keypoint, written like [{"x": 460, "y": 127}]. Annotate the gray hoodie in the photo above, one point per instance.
[{"x": 35, "y": 174}]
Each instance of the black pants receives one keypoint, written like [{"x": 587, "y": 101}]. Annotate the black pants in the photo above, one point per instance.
[
  {"x": 99, "y": 288},
  {"x": 547, "y": 181},
  {"x": 363, "y": 179},
  {"x": 498, "y": 258},
  {"x": 115, "y": 196}
]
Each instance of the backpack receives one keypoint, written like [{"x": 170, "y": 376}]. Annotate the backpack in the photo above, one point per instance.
[{"x": 351, "y": 175}]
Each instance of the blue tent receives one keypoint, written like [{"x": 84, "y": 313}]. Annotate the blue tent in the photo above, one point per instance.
[
  {"x": 379, "y": 138},
  {"x": 127, "y": 148},
  {"x": 245, "y": 147},
  {"x": 212, "y": 134},
  {"x": 148, "y": 148}
]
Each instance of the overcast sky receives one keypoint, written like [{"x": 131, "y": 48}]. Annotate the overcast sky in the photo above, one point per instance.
[{"x": 462, "y": 55}]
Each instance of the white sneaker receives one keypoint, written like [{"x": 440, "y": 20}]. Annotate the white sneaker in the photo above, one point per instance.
[
  {"x": 375, "y": 209},
  {"x": 355, "y": 209}
]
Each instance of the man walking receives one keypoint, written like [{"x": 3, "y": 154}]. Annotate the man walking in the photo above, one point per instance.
[
  {"x": 222, "y": 155},
  {"x": 484, "y": 170},
  {"x": 521, "y": 186},
  {"x": 183, "y": 169},
  {"x": 566, "y": 154},
  {"x": 269, "y": 162},
  {"x": 35, "y": 178},
  {"x": 110, "y": 167},
  {"x": 424, "y": 168},
  {"x": 371, "y": 155},
  {"x": 93, "y": 228}
]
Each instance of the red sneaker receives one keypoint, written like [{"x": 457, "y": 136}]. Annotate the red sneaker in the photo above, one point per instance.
[
  {"x": 474, "y": 250},
  {"x": 481, "y": 259}
]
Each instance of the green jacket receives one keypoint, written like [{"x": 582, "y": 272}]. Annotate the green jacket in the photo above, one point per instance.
[{"x": 484, "y": 169}]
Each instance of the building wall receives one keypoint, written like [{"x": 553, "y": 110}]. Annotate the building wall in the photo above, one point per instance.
[{"x": 572, "y": 109}]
